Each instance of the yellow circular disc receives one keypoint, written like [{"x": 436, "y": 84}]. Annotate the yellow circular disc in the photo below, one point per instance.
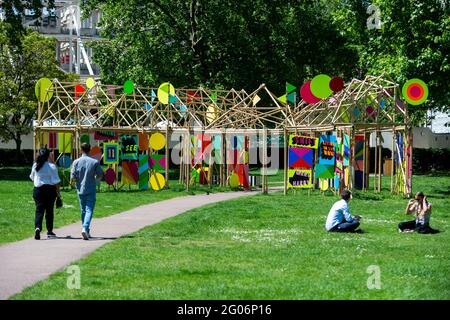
[
  {"x": 211, "y": 113},
  {"x": 157, "y": 141},
  {"x": 90, "y": 82},
  {"x": 42, "y": 89},
  {"x": 108, "y": 109},
  {"x": 164, "y": 91},
  {"x": 323, "y": 184},
  {"x": 157, "y": 181},
  {"x": 234, "y": 180}
]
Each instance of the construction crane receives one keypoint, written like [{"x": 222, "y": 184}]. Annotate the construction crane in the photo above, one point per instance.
[{"x": 64, "y": 23}]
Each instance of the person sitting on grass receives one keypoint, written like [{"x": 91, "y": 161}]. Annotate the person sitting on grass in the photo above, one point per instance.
[
  {"x": 339, "y": 218},
  {"x": 422, "y": 210}
]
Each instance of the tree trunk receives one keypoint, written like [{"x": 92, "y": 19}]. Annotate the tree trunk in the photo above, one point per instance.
[
  {"x": 197, "y": 43},
  {"x": 19, "y": 158}
]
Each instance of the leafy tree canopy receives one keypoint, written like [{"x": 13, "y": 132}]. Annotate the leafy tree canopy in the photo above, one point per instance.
[
  {"x": 20, "y": 68},
  {"x": 238, "y": 44}
]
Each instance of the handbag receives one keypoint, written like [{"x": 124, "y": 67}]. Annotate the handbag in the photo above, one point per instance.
[{"x": 59, "y": 203}]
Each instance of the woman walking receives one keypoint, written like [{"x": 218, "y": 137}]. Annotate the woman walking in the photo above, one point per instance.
[{"x": 46, "y": 189}]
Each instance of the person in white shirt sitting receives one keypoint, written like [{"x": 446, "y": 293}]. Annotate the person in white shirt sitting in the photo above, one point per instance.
[
  {"x": 339, "y": 218},
  {"x": 44, "y": 175}
]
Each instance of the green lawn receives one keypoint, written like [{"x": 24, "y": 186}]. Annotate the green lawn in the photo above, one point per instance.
[
  {"x": 271, "y": 247},
  {"x": 17, "y": 205}
]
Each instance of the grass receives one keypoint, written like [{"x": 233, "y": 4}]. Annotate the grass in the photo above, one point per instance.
[
  {"x": 17, "y": 205},
  {"x": 271, "y": 247}
]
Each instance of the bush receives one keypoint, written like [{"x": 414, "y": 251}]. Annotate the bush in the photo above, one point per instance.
[
  {"x": 8, "y": 158},
  {"x": 431, "y": 160}
]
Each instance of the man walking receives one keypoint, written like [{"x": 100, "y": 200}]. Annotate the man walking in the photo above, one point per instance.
[{"x": 85, "y": 171}]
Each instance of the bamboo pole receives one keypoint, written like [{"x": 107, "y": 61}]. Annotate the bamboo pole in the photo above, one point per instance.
[
  {"x": 380, "y": 160},
  {"x": 410, "y": 144},
  {"x": 316, "y": 157},
  {"x": 222, "y": 159},
  {"x": 286, "y": 162},
  {"x": 188, "y": 162},
  {"x": 210, "y": 162},
  {"x": 167, "y": 156},
  {"x": 263, "y": 173},
  {"x": 376, "y": 162}
]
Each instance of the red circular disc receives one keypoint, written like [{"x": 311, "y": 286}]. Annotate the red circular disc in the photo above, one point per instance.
[
  {"x": 336, "y": 84},
  {"x": 415, "y": 91},
  {"x": 79, "y": 89},
  {"x": 306, "y": 94}
]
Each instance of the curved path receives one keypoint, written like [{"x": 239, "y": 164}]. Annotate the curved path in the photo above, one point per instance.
[{"x": 25, "y": 262}]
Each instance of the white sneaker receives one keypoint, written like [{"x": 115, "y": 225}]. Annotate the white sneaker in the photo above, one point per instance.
[{"x": 85, "y": 234}]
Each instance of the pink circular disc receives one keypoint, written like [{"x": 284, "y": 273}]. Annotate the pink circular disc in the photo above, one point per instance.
[
  {"x": 110, "y": 176},
  {"x": 415, "y": 91},
  {"x": 306, "y": 94}
]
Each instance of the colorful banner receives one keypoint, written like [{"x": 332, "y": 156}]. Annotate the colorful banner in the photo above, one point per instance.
[
  {"x": 106, "y": 135},
  {"x": 324, "y": 171},
  {"x": 339, "y": 156},
  {"x": 202, "y": 147},
  {"x": 237, "y": 142},
  {"x": 346, "y": 150},
  {"x": 336, "y": 182},
  {"x": 143, "y": 142},
  {"x": 43, "y": 139},
  {"x": 143, "y": 172},
  {"x": 327, "y": 150},
  {"x": 300, "y": 158},
  {"x": 157, "y": 162},
  {"x": 303, "y": 142},
  {"x": 359, "y": 147},
  {"x": 65, "y": 142},
  {"x": 52, "y": 140},
  {"x": 111, "y": 153},
  {"x": 299, "y": 178},
  {"x": 217, "y": 144},
  {"x": 129, "y": 147},
  {"x": 130, "y": 173}
]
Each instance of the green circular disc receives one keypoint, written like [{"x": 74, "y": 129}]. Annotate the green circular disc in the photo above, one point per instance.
[
  {"x": 41, "y": 89},
  {"x": 320, "y": 86},
  {"x": 421, "y": 90},
  {"x": 128, "y": 87}
]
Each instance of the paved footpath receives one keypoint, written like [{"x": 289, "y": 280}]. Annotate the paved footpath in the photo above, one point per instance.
[{"x": 25, "y": 262}]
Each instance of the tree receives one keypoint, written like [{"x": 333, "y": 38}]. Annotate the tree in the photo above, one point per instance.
[
  {"x": 216, "y": 43},
  {"x": 20, "y": 67},
  {"x": 15, "y": 10},
  {"x": 413, "y": 42}
]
